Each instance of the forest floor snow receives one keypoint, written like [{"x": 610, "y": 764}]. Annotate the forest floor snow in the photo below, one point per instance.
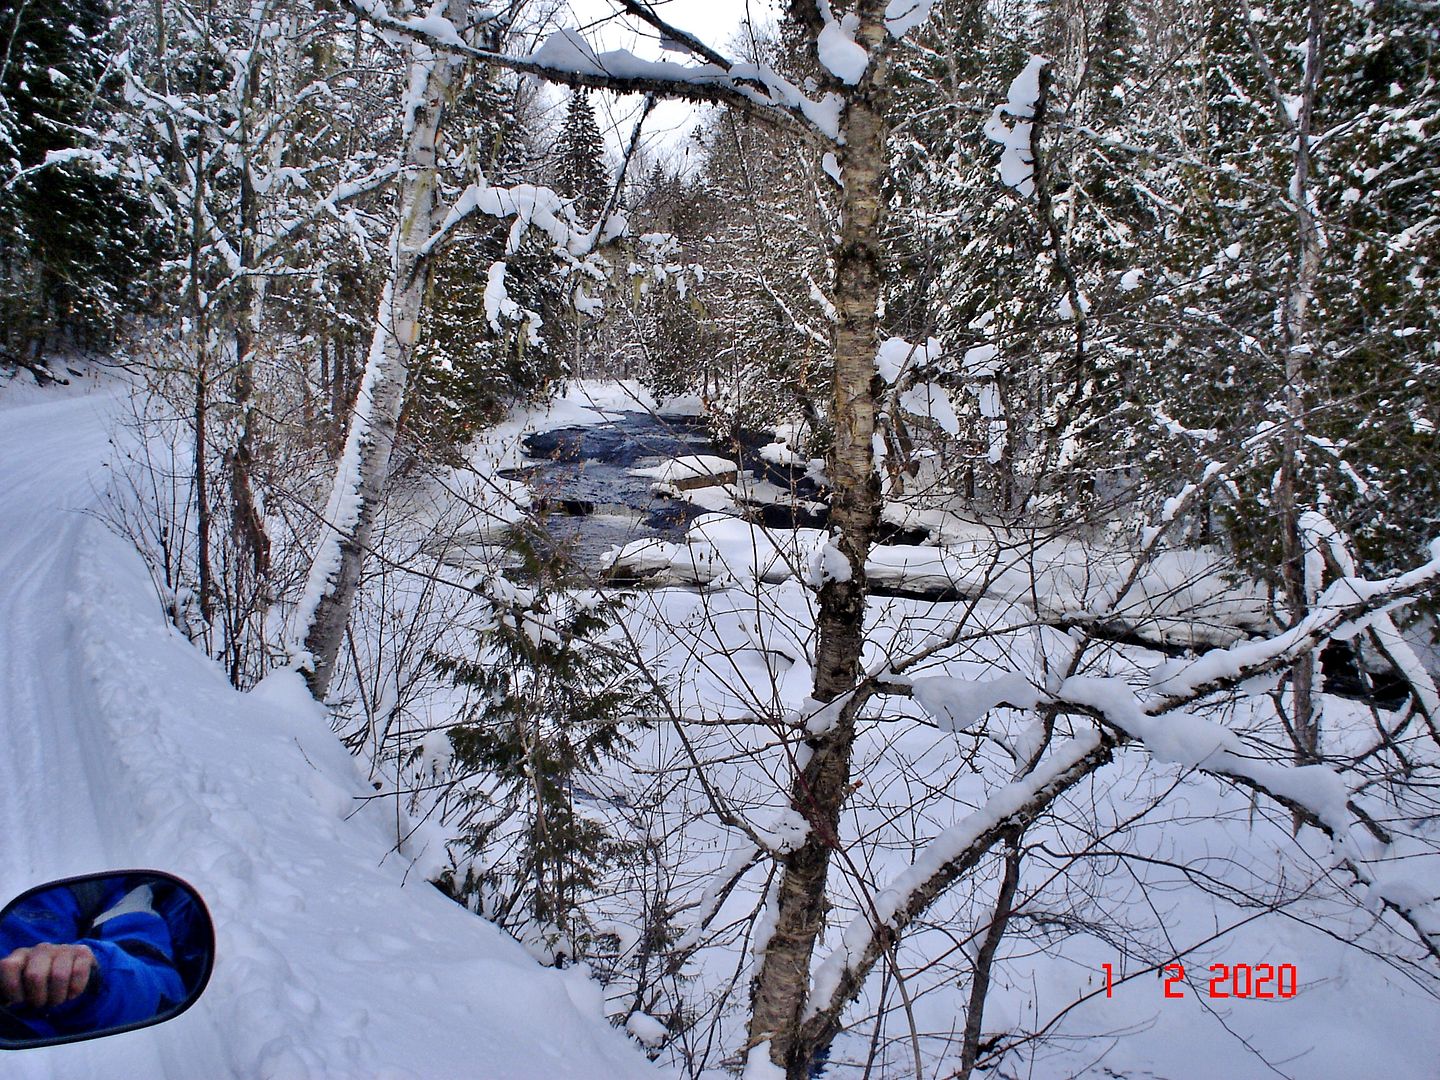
[
  {"x": 125, "y": 747},
  {"x": 1184, "y": 865}
]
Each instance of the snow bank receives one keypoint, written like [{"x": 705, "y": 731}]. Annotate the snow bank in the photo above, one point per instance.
[
  {"x": 717, "y": 548},
  {"x": 130, "y": 749},
  {"x": 1181, "y": 598}
]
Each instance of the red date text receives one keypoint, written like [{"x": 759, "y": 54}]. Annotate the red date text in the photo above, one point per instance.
[{"x": 1257, "y": 981}]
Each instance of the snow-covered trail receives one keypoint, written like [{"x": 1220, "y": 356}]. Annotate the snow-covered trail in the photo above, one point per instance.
[
  {"x": 51, "y": 454},
  {"x": 53, "y": 785},
  {"x": 122, "y": 746}
]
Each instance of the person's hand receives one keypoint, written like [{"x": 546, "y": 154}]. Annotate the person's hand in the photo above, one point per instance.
[{"x": 45, "y": 975}]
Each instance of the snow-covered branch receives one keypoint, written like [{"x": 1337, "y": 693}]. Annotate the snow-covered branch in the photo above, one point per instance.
[
  {"x": 944, "y": 861},
  {"x": 1317, "y": 793},
  {"x": 568, "y": 59},
  {"x": 1345, "y": 607}
]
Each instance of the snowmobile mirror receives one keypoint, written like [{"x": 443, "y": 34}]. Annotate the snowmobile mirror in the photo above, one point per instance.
[{"x": 100, "y": 954}]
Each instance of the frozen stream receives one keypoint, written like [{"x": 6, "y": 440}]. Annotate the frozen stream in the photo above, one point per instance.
[{"x": 591, "y": 500}]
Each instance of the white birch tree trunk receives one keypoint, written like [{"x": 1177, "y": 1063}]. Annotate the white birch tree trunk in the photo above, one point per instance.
[
  {"x": 821, "y": 786},
  {"x": 317, "y": 626}
]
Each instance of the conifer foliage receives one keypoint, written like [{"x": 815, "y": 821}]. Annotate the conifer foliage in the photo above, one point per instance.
[
  {"x": 73, "y": 233},
  {"x": 580, "y": 172},
  {"x": 554, "y": 696},
  {"x": 470, "y": 363}
]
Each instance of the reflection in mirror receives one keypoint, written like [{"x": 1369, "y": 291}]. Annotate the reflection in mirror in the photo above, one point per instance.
[{"x": 92, "y": 956}]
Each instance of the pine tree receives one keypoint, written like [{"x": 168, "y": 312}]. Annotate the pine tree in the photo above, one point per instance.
[
  {"x": 761, "y": 357},
  {"x": 74, "y": 238},
  {"x": 755, "y": 218},
  {"x": 952, "y": 233},
  {"x": 659, "y": 339},
  {"x": 580, "y": 172}
]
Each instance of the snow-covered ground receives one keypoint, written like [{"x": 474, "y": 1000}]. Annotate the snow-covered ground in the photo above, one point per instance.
[
  {"x": 125, "y": 747},
  {"x": 1183, "y": 598},
  {"x": 1144, "y": 862}
]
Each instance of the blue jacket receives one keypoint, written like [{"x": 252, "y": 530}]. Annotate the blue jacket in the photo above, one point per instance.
[{"x": 123, "y": 925}]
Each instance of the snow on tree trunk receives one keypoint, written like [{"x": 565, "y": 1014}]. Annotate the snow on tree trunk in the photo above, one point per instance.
[
  {"x": 821, "y": 786},
  {"x": 248, "y": 521},
  {"x": 1300, "y": 591},
  {"x": 318, "y": 624}
]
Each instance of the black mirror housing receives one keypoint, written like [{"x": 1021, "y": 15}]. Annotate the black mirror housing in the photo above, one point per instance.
[{"x": 90, "y": 956}]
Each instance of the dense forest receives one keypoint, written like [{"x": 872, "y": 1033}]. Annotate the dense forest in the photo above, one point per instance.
[{"x": 1033, "y": 407}]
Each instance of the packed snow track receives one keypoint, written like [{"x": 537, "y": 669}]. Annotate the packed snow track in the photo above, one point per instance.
[{"x": 125, "y": 747}]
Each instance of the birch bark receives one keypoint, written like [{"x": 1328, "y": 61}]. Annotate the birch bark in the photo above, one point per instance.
[
  {"x": 1296, "y": 334},
  {"x": 319, "y": 621},
  {"x": 819, "y": 788}
]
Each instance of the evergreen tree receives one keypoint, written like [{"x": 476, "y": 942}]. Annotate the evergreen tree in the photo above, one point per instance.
[
  {"x": 754, "y": 337},
  {"x": 1380, "y": 290},
  {"x": 468, "y": 369},
  {"x": 1230, "y": 263},
  {"x": 579, "y": 171},
  {"x": 1017, "y": 283},
  {"x": 73, "y": 236},
  {"x": 953, "y": 234},
  {"x": 657, "y": 338},
  {"x": 763, "y": 357},
  {"x": 554, "y": 698}
]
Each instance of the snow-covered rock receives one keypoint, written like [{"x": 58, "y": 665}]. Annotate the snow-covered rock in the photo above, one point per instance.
[{"x": 692, "y": 471}]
